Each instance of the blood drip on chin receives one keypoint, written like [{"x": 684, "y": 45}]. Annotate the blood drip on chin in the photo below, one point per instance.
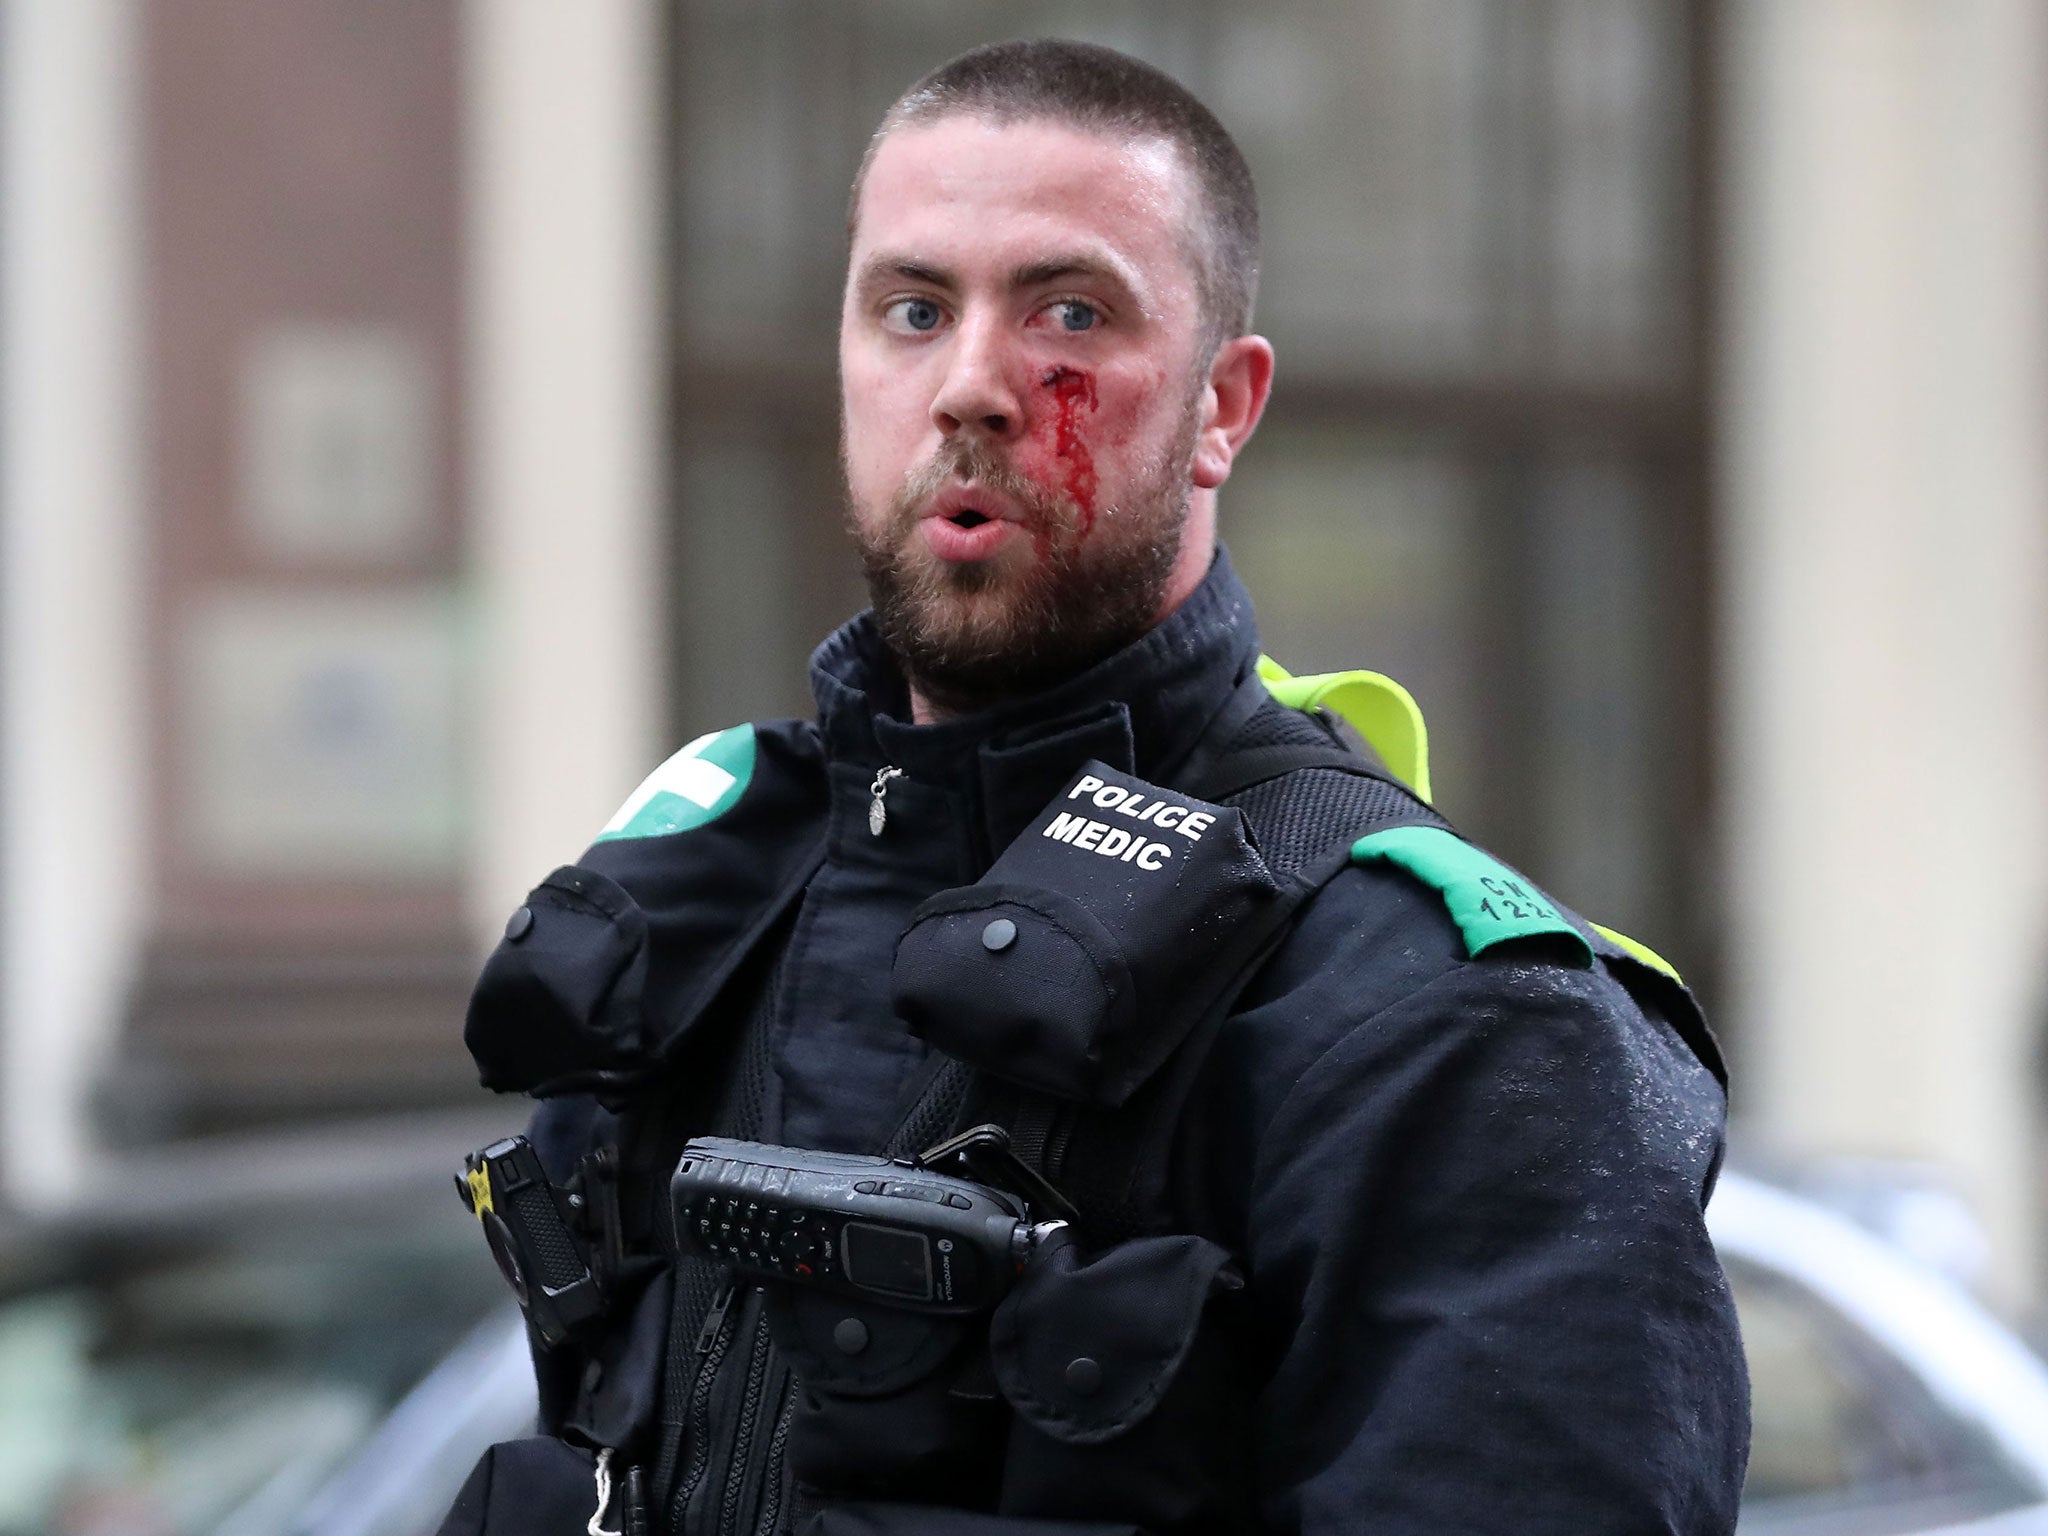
[{"x": 1073, "y": 391}]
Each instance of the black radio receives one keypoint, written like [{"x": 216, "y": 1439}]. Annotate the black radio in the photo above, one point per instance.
[{"x": 893, "y": 1232}]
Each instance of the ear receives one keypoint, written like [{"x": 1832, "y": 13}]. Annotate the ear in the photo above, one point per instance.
[{"x": 1240, "y": 379}]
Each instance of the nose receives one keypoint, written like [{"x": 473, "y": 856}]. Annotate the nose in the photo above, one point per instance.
[{"x": 977, "y": 396}]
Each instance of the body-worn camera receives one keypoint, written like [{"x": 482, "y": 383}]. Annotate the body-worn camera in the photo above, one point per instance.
[
  {"x": 898, "y": 1233},
  {"x": 535, "y": 1233}
]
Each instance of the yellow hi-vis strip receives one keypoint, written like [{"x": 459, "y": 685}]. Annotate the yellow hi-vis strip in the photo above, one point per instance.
[
  {"x": 1642, "y": 952},
  {"x": 1377, "y": 707}
]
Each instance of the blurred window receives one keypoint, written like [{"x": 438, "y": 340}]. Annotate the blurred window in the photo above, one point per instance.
[
  {"x": 1845, "y": 1438},
  {"x": 1482, "y": 468}
]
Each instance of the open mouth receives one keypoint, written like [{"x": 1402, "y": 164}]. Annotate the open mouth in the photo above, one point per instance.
[{"x": 967, "y": 517}]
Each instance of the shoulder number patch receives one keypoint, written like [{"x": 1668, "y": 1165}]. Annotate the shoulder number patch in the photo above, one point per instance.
[
  {"x": 1489, "y": 902},
  {"x": 699, "y": 784}
]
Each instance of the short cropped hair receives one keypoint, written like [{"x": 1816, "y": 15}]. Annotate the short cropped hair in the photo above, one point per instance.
[{"x": 1099, "y": 90}]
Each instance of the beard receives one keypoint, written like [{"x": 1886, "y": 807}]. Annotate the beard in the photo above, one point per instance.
[{"x": 971, "y": 634}]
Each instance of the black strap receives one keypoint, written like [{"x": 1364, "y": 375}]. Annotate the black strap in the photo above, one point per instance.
[{"x": 1231, "y": 776}]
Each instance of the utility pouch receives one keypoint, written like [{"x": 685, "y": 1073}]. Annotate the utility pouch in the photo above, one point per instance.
[
  {"x": 887, "y": 1399},
  {"x": 618, "y": 1399},
  {"x": 1095, "y": 942},
  {"x": 1117, "y": 1369},
  {"x": 558, "y": 1006}
]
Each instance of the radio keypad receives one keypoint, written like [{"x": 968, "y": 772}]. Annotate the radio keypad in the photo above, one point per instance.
[{"x": 763, "y": 1233}]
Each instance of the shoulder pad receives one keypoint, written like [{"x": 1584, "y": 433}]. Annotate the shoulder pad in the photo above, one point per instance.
[
  {"x": 1489, "y": 902},
  {"x": 1655, "y": 984}
]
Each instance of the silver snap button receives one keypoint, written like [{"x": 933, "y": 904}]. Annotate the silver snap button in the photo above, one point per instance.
[{"x": 999, "y": 935}]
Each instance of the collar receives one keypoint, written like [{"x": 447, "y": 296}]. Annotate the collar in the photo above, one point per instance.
[{"x": 1140, "y": 710}]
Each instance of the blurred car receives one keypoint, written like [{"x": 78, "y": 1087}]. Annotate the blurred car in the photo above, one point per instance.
[
  {"x": 1886, "y": 1400},
  {"x": 199, "y": 1350}
]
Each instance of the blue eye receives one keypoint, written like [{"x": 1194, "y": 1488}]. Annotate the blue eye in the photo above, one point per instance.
[
  {"x": 915, "y": 314},
  {"x": 1076, "y": 316}
]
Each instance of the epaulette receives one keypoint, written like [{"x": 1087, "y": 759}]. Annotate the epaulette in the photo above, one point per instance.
[{"x": 1490, "y": 903}]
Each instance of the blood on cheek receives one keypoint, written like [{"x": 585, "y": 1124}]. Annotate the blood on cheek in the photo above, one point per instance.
[{"x": 1073, "y": 392}]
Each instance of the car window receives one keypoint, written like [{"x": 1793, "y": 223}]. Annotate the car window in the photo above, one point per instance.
[{"x": 1845, "y": 1438}]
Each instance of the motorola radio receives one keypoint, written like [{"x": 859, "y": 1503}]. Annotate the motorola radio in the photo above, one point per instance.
[{"x": 900, "y": 1233}]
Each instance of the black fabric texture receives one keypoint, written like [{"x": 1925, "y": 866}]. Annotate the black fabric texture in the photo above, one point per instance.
[
  {"x": 903, "y": 1348},
  {"x": 1294, "y": 814},
  {"x": 558, "y": 1006},
  {"x": 1126, "y": 1398},
  {"x": 620, "y": 1387},
  {"x": 1040, "y": 1011},
  {"x": 884, "y": 1422},
  {"x": 1662, "y": 996},
  {"x": 1133, "y": 1311}
]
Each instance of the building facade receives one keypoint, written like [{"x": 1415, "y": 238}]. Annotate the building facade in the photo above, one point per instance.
[{"x": 416, "y": 419}]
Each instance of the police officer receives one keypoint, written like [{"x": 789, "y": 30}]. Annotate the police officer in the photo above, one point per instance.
[{"x": 1390, "y": 1199}]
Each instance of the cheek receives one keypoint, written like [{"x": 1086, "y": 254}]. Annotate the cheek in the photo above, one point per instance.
[
  {"x": 1085, "y": 426},
  {"x": 883, "y": 431}
]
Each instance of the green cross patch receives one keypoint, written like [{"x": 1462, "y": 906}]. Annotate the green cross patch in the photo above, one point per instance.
[{"x": 699, "y": 784}]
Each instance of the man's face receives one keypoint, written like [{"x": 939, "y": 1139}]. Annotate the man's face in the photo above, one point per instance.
[{"x": 1018, "y": 361}]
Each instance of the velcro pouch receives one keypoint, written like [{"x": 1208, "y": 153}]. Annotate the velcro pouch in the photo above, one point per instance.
[
  {"x": 558, "y": 1006},
  {"x": 843, "y": 1347},
  {"x": 1085, "y": 1347},
  {"x": 1094, "y": 943},
  {"x": 886, "y": 1404},
  {"x": 1119, "y": 1373}
]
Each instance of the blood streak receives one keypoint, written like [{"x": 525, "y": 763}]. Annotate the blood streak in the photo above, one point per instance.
[{"x": 1074, "y": 392}]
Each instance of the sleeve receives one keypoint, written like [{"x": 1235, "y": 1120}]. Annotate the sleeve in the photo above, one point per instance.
[{"x": 1478, "y": 1220}]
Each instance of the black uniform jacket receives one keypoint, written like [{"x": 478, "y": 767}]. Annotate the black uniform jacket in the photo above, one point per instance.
[{"x": 1463, "y": 1195}]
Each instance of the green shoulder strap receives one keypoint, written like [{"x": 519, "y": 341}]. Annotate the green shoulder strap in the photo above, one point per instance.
[
  {"x": 1489, "y": 902},
  {"x": 1374, "y": 705}
]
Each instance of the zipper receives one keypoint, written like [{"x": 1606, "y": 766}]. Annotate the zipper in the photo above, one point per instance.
[
  {"x": 743, "y": 1441},
  {"x": 712, "y": 1343},
  {"x": 878, "y": 813},
  {"x": 771, "y": 1481}
]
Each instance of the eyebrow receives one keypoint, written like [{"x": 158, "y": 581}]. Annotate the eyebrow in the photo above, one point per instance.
[
  {"x": 881, "y": 268},
  {"x": 1052, "y": 269},
  {"x": 887, "y": 266}
]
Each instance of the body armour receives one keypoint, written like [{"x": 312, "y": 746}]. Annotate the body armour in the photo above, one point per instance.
[{"x": 1389, "y": 1197}]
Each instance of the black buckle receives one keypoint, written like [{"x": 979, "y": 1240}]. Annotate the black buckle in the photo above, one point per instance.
[{"x": 983, "y": 1153}]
